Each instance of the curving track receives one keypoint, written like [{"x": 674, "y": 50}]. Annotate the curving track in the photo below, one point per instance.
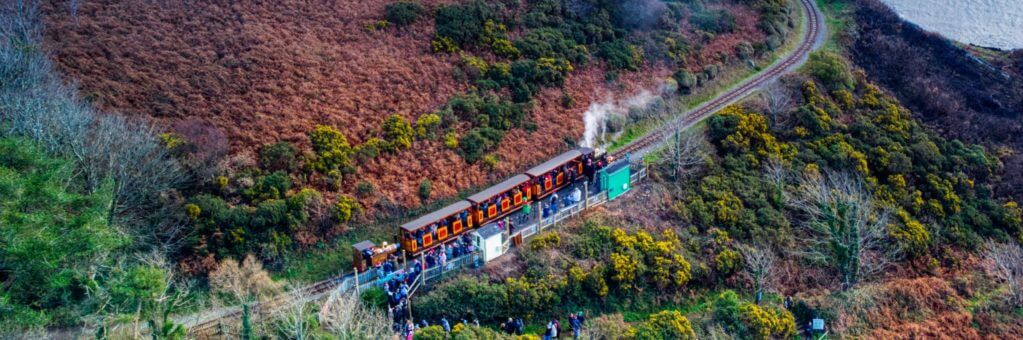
[
  {"x": 206, "y": 326},
  {"x": 812, "y": 39}
]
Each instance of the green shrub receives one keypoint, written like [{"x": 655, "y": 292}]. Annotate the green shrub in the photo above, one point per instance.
[
  {"x": 434, "y": 332},
  {"x": 425, "y": 187},
  {"x": 463, "y": 24},
  {"x": 398, "y": 133},
  {"x": 830, "y": 69},
  {"x": 427, "y": 125},
  {"x": 767, "y": 323},
  {"x": 272, "y": 186},
  {"x": 280, "y": 156},
  {"x": 621, "y": 55},
  {"x": 451, "y": 140},
  {"x": 545, "y": 241},
  {"x": 686, "y": 81},
  {"x": 375, "y": 296},
  {"x": 443, "y": 45},
  {"x": 369, "y": 149},
  {"x": 664, "y": 325},
  {"x": 364, "y": 189},
  {"x": 346, "y": 208},
  {"x": 331, "y": 148},
  {"x": 714, "y": 21},
  {"x": 403, "y": 13},
  {"x": 464, "y": 297}
]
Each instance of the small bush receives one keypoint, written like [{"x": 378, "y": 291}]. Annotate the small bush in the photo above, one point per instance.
[
  {"x": 364, "y": 189},
  {"x": 831, "y": 70},
  {"x": 346, "y": 208},
  {"x": 665, "y": 325},
  {"x": 443, "y": 45},
  {"x": 621, "y": 55},
  {"x": 425, "y": 187},
  {"x": 331, "y": 149},
  {"x": 545, "y": 241},
  {"x": 451, "y": 140},
  {"x": 280, "y": 156},
  {"x": 403, "y": 13},
  {"x": 398, "y": 133},
  {"x": 716, "y": 21}
]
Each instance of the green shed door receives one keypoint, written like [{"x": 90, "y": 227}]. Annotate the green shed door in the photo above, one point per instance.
[{"x": 615, "y": 179}]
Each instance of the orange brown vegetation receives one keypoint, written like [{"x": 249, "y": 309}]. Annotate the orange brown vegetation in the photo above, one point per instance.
[{"x": 269, "y": 71}]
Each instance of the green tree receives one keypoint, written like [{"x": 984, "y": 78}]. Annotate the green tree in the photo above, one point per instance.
[{"x": 52, "y": 239}]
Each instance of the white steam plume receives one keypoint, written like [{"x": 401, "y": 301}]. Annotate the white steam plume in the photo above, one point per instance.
[{"x": 596, "y": 117}]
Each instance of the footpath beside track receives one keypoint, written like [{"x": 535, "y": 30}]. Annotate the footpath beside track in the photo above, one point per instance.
[{"x": 209, "y": 324}]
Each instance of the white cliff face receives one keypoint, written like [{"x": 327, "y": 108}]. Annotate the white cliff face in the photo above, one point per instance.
[{"x": 989, "y": 23}]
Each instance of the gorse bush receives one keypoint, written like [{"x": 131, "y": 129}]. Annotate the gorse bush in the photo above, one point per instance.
[
  {"x": 331, "y": 148},
  {"x": 398, "y": 133}
]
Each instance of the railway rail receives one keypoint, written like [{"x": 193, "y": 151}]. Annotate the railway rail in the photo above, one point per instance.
[
  {"x": 809, "y": 42},
  {"x": 211, "y": 328}
]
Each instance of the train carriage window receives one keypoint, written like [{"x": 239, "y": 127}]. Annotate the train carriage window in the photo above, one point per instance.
[
  {"x": 456, "y": 227},
  {"x": 492, "y": 211},
  {"x": 427, "y": 240},
  {"x": 561, "y": 178},
  {"x": 518, "y": 198},
  {"x": 505, "y": 204},
  {"x": 442, "y": 233}
]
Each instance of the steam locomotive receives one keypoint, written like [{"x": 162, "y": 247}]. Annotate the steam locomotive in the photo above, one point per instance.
[{"x": 494, "y": 203}]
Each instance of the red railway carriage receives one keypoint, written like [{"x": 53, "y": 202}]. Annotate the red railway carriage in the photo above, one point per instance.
[
  {"x": 500, "y": 200},
  {"x": 559, "y": 171},
  {"x": 434, "y": 228}
]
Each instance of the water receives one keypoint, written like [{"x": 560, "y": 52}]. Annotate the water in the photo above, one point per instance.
[{"x": 989, "y": 23}]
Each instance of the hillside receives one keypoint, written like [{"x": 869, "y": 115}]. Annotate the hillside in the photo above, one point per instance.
[
  {"x": 268, "y": 72},
  {"x": 951, "y": 90}
]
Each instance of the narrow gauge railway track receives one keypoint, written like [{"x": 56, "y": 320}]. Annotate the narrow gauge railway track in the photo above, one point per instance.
[
  {"x": 704, "y": 110},
  {"x": 210, "y": 328}
]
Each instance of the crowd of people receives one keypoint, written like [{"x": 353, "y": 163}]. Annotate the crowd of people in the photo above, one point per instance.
[{"x": 514, "y": 326}]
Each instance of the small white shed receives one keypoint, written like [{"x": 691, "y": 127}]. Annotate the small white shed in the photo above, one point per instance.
[{"x": 490, "y": 241}]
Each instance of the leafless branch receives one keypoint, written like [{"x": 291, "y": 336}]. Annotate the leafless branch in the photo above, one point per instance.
[
  {"x": 844, "y": 227},
  {"x": 345, "y": 316},
  {"x": 1004, "y": 261}
]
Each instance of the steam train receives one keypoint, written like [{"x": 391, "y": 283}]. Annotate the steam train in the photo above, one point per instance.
[{"x": 494, "y": 203}]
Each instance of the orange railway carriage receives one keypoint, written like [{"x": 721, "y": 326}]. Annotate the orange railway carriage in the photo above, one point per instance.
[
  {"x": 551, "y": 175},
  {"x": 500, "y": 200},
  {"x": 417, "y": 236}
]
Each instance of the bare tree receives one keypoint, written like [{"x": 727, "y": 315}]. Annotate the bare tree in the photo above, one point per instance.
[
  {"x": 110, "y": 153},
  {"x": 844, "y": 227},
  {"x": 243, "y": 283},
  {"x": 779, "y": 102},
  {"x": 683, "y": 152},
  {"x": 759, "y": 263},
  {"x": 292, "y": 319},
  {"x": 345, "y": 316},
  {"x": 1004, "y": 261}
]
